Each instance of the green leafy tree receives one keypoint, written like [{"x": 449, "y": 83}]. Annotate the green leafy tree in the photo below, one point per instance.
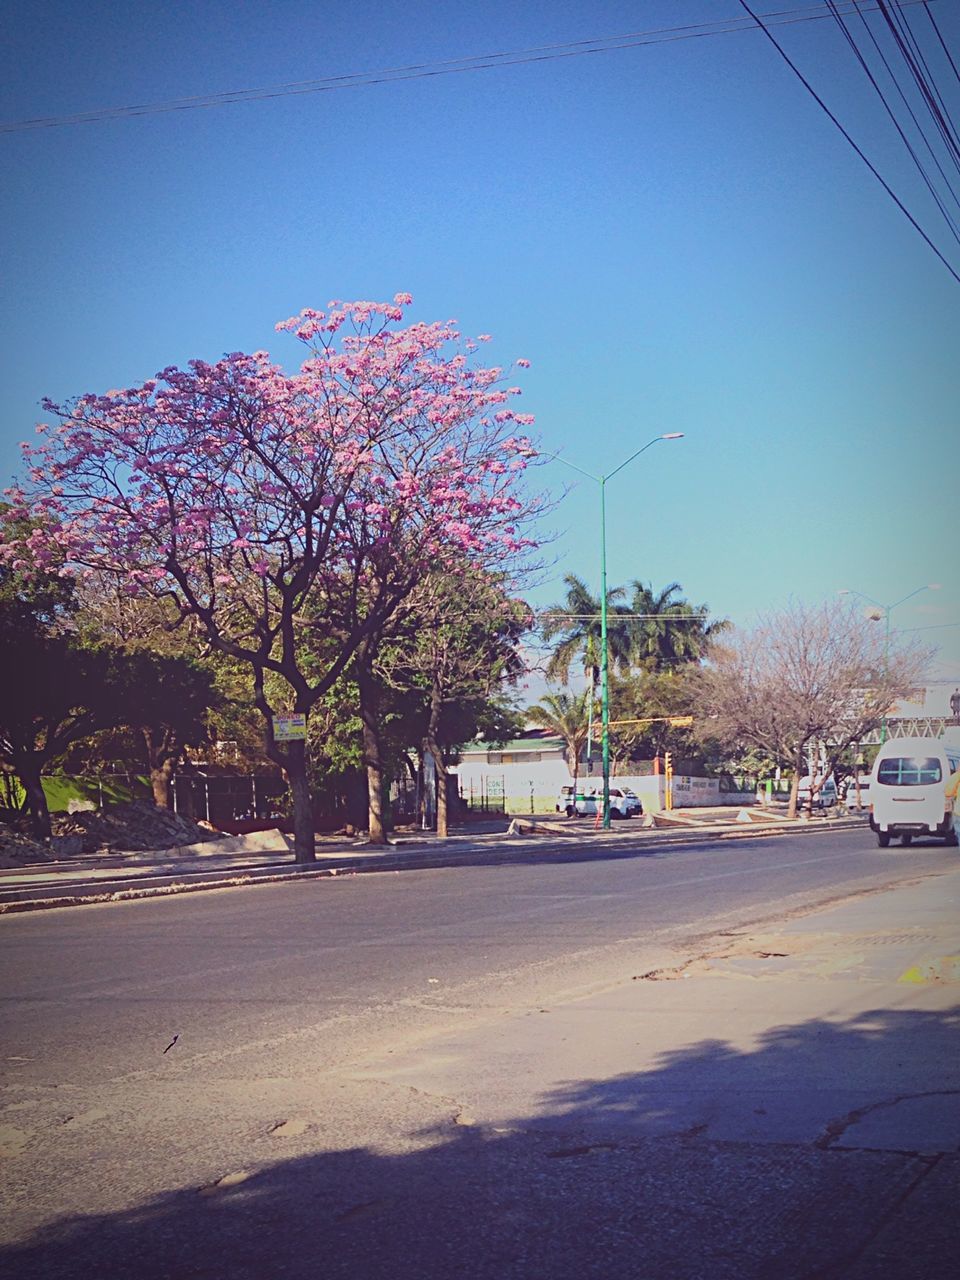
[
  {"x": 172, "y": 692},
  {"x": 166, "y": 703},
  {"x": 567, "y": 716},
  {"x": 64, "y": 692},
  {"x": 461, "y": 654},
  {"x": 576, "y": 628},
  {"x": 666, "y": 630},
  {"x": 649, "y": 710}
]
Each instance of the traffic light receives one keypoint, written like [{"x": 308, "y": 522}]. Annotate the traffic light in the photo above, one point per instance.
[{"x": 667, "y": 762}]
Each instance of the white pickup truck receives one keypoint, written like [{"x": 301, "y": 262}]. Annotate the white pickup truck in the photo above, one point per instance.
[{"x": 624, "y": 803}]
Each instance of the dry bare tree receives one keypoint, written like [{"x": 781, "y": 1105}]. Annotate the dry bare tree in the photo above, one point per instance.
[{"x": 804, "y": 680}]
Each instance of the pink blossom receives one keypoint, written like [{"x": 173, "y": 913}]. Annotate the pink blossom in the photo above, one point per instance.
[{"x": 387, "y": 443}]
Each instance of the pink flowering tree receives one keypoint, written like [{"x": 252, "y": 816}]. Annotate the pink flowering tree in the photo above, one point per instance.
[{"x": 274, "y": 508}]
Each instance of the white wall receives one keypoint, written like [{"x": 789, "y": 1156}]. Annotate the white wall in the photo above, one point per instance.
[{"x": 544, "y": 778}]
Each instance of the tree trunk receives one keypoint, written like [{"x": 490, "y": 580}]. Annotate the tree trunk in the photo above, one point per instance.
[
  {"x": 304, "y": 842},
  {"x": 372, "y": 754},
  {"x": 160, "y": 779},
  {"x": 440, "y": 772},
  {"x": 439, "y": 767},
  {"x": 162, "y": 760},
  {"x": 795, "y": 787},
  {"x": 28, "y": 772}
]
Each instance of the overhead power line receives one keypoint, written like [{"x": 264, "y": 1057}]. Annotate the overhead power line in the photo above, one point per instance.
[
  {"x": 454, "y": 66},
  {"x": 556, "y": 615},
  {"x": 928, "y": 178},
  {"x": 912, "y": 54},
  {"x": 765, "y": 28}
]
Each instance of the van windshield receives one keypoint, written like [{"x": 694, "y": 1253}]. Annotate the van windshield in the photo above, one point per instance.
[{"x": 909, "y": 771}]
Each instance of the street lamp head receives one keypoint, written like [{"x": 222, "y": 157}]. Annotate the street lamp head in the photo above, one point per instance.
[
  {"x": 933, "y": 586},
  {"x": 673, "y": 435}
]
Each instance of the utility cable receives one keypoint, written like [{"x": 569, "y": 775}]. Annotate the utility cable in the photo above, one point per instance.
[
  {"x": 903, "y": 97},
  {"x": 916, "y": 62},
  {"x": 933, "y": 23},
  {"x": 823, "y": 106},
  {"x": 941, "y": 205},
  {"x": 911, "y": 39},
  {"x": 455, "y": 66}
]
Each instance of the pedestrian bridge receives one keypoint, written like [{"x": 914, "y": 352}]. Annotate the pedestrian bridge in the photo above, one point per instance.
[{"x": 914, "y": 727}]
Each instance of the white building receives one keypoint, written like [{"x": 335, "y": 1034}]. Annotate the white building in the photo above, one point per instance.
[{"x": 526, "y": 774}]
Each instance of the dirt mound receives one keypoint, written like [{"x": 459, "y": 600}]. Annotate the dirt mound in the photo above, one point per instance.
[
  {"x": 136, "y": 825},
  {"x": 17, "y": 850}
]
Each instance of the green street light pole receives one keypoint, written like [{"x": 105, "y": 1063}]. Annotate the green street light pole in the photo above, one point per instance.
[
  {"x": 604, "y": 672},
  {"x": 885, "y": 612}
]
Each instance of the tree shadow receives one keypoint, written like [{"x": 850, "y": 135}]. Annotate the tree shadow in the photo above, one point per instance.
[
  {"x": 630, "y": 1176},
  {"x": 543, "y": 853}
]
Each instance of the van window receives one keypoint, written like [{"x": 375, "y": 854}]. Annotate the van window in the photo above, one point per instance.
[{"x": 909, "y": 771}]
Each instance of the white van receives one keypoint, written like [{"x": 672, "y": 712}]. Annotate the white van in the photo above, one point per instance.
[
  {"x": 858, "y": 786},
  {"x": 907, "y": 790}
]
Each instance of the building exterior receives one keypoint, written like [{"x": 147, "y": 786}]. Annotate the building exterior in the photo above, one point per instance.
[{"x": 526, "y": 774}]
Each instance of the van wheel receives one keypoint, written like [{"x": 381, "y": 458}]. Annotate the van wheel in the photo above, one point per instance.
[
  {"x": 883, "y": 839},
  {"x": 906, "y": 840}
]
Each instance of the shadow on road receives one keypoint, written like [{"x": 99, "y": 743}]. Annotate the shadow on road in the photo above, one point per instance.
[
  {"x": 543, "y": 851},
  {"x": 582, "y": 1189}
]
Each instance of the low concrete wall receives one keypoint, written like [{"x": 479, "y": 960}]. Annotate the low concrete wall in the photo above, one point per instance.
[{"x": 533, "y": 788}]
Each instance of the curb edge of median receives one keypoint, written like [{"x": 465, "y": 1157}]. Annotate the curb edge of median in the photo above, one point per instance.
[{"x": 308, "y": 872}]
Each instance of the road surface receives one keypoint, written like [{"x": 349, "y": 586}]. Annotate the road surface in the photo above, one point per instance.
[{"x": 203, "y": 1085}]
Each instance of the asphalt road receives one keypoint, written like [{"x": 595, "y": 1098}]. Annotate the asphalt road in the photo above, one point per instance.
[{"x": 153, "y": 1049}]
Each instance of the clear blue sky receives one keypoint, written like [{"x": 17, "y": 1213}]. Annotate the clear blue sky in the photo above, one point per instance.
[{"x": 675, "y": 236}]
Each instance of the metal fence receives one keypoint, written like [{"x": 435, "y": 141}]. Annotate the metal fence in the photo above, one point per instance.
[
  {"x": 487, "y": 795},
  {"x": 233, "y": 798}
]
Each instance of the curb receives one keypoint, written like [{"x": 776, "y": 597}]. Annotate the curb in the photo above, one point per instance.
[{"x": 444, "y": 857}]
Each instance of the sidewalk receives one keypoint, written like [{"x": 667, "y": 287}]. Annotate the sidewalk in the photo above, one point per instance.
[
  {"x": 786, "y": 1104},
  {"x": 266, "y": 856}
]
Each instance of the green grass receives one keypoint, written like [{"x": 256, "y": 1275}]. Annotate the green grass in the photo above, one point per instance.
[{"x": 60, "y": 790}]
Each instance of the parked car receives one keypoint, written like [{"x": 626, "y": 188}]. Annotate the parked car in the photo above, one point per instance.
[
  {"x": 624, "y": 803},
  {"x": 824, "y": 798}
]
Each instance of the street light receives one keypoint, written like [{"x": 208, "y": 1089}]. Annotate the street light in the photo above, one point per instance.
[
  {"x": 885, "y": 611},
  {"x": 604, "y": 686}
]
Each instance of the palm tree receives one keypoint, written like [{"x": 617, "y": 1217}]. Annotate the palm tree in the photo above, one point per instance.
[
  {"x": 566, "y": 715},
  {"x": 577, "y": 624},
  {"x": 666, "y": 630}
]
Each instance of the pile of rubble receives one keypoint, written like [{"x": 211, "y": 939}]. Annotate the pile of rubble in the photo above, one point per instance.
[
  {"x": 133, "y": 826},
  {"x": 18, "y": 850}
]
